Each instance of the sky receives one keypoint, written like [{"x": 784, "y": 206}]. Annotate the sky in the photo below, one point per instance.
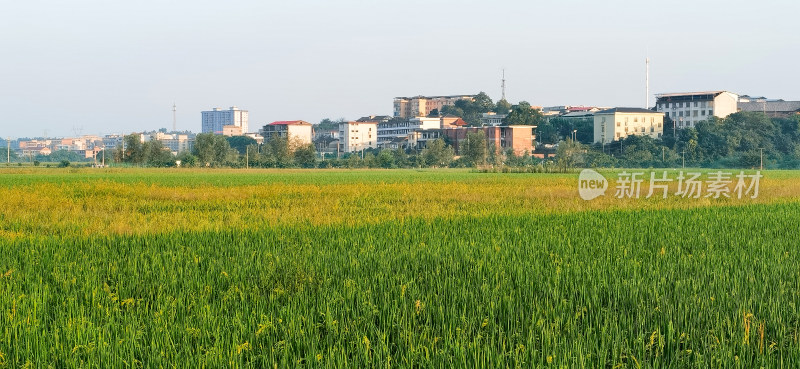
[{"x": 103, "y": 67}]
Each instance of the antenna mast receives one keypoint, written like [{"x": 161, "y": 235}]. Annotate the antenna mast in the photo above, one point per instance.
[
  {"x": 503, "y": 85},
  {"x": 647, "y": 83},
  {"x": 174, "y": 117}
]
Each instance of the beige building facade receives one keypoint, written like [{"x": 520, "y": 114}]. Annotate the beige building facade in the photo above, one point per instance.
[
  {"x": 618, "y": 123},
  {"x": 421, "y": 106},
  {"x": 298, "y": 132}
]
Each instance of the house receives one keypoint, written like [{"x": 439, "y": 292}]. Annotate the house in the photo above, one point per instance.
[{"x": 298, "y": 131}]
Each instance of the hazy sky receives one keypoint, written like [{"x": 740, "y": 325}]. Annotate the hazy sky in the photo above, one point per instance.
[{"x": 117, "y": 66}]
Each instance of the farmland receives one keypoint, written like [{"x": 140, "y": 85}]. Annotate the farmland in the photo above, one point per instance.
[{"x": 394, "y": 268}]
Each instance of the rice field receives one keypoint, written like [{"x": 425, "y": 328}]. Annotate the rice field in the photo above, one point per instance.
[{"x": 390, "y": 268}]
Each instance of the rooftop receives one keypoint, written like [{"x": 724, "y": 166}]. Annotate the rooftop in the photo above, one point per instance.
[
  {"x": 627, "y": 110},
  {"x": 290, "y": 123},
  {"x": 674, "y": 94},
  {"x": 435, "y": 97},
  {"x": 770, "y": 106}
]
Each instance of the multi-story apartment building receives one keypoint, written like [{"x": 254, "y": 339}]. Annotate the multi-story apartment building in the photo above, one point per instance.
[
  {"x": 401, "y": 128},
  {"x": 174, "y": 142},
  {"x": 356, "y": 136},
  {"x": 298, "y": 132},
  {"x": 421, "y": 106},
  {"x": 520, "y": 139},
  {"x": 214, "y": 120},
  {"x": 617, "y": 123},
  {"x": 688, "y": 108}
]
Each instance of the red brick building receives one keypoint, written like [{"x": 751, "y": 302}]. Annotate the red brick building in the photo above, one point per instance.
[{"x": 518, "y": 138}]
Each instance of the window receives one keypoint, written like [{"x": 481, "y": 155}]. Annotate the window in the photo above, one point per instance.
[
  {"x": 695, "y": 104},
  {"x": 617, "y": 124}
]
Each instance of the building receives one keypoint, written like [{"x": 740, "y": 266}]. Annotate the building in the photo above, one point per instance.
[
  {"x": 772, "y": 108},
  {"x": 617, "y": 123},
  {"x": 215, "y": 120},
  {"x": 299, "y": 131},
  {"x": 230, "y": 131},
  {"x": 421, "y": 106},
  {"x": 492, "y": 119},
  {"x": 357, "y": 136},
  {"x": 688, "y": 108},
  {"x": 520, "y": 139},
  {"x": 174, "y": 142}
]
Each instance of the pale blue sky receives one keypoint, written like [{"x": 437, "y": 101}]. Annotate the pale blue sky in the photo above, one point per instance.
[{"x": 112, "y": 67}]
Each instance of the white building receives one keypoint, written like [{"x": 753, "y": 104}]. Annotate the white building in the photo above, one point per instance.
[
  {"x": 686, "y": 109},
  {"x": 400, "y": 128},
  {"x": 356, "y": 136},
  {"x": 215, "y": 120},
  {"x": 617, "y": 123},
  {"x": 492, "y": 119},
  {"x": 175, "y": 142}
]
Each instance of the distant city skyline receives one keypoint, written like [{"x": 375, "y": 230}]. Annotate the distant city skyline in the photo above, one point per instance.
[{"x": 108, "y": 68}]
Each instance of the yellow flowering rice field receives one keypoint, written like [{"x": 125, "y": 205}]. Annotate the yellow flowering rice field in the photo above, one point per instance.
[{"x": 390, "y": 268}]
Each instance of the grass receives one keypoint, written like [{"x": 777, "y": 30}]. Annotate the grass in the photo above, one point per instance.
[{"x": 389, "y": 268}]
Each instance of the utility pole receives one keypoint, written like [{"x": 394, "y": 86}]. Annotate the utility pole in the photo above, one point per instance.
[
  {"x": 8, "y": 153},
  {"x": 761, "y": 149},
  {"x": 247, "y": 157},
  {"x": 104, "y": 156},
  {"x": 662, "y": 154},
  {"x": 683, "y": 155},
  {"x": 174, "y": 118}
]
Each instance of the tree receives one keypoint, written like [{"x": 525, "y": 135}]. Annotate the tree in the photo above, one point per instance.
[
  {"x": 306, "y": 156},
  {"x": 437, "y": 153},
  {"x": 502, "y": 107},
  {"x": 240, "y": 143},
  {"x": 156, "y": 155},
  {"x": 473, "y": 148},
  {"x": 8, "y": 155},
  {"x": 213, "y": 150},
  {"x": 570, "y": 154},
  {"x": 328, "y": 124},
  {"x": 524, "y": 115},
  {"x": 134, "y": 152},
  {"x": 187, "y": 159},
  {"x": 386, "y": 159},
  {"x": 278, "y": 148}
]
